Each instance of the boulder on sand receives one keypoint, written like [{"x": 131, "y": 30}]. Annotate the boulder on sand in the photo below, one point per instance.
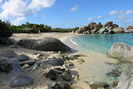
[
  {"x": 11, "y": 74},
  {"x": 6, "y": 41},
  {"x": 121, "y": 51},
  {"x": 45, "y": 44}
]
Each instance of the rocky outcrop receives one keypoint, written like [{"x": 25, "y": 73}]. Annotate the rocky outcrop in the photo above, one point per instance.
[
  {"x": 11, "y": 73},
  {"x": 108, "y": 24},
  {"x": 119, "y": 30},
  {"x": 45, "y": 44},
  {"x": 126, "y": 79},
  {"x": 121, "y": 51},
  {"x": 107, "y": 28},
  {"x": 6, "y": 41},
  {"x": 129, "y": 27}
]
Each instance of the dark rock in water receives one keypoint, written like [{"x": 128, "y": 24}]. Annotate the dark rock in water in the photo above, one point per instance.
[
  {"x": 126, "y": 79},
  {"x": 23, "y": 57},
  {"x": 6, "y": 41},
  {"x": 11, "y": 73},
  {"x": 114, "y": 73},
  {"x": 52, "y": 74},
  {"x": 45, "y": 44},
  {"x": 54, "y": 62}
]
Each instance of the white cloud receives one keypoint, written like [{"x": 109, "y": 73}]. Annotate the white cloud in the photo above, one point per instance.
[
  {"x": 124, "y": 20},
  {"x": 0, "y": 1},
  {"x": 121, "y": 12},
  {"x": 21, "y": 8},
  {"x": 129, "y": 12},
  {"x": 38, "y": 4},
  {"x": 97, "y": 18},
  {"x": 90, "y": 19},
  {"x": 18, "y": 20},
  {"x": 74, "y": 8},
  {"x": 113, "y": 12}
]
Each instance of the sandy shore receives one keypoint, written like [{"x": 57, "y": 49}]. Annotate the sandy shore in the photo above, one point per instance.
[{"x": 95, "y": 66}]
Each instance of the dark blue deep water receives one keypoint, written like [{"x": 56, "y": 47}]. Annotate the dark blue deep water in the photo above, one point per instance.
[{"x": 101, "y": 42}]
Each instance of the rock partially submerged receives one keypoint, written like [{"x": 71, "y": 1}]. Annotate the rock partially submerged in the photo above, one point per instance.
[
  {"x": 121, "y": 51},
  {"x": 45, "y": 44},
  {"x": 126, "y": 79}
]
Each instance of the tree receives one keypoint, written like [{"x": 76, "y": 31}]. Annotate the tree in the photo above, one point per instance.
[{"x": 5, "y": 30}]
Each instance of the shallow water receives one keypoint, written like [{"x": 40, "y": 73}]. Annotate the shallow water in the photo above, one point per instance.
[{"x": 101, "y": 42}]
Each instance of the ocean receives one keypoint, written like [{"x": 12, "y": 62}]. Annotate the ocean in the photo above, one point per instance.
[{"x": 101, "y": 42}]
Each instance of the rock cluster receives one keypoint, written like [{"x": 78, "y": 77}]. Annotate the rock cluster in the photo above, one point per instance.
[
  {"x": 107, "y": 28},
  {"x": 123, "y": 52},
  {"x": 11, "y": 73}
]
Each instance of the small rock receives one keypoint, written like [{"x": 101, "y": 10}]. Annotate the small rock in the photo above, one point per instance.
[
  {"x": 99, "y": 85},
  {"x": 25, "y": 66},
  {"x": 30, "y": 62},
  {"x": 23, "y": 57},
  {"x": 69, "y": 63},
  {"x": 67, "y": 75},
  {"x": 14, "y": 46},
  {"x": 79, "y": 60},
  {"x": 54, "y": 62},
  {"x": 52, "y": 74}
]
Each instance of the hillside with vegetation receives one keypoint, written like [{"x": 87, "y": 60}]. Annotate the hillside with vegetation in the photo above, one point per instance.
[{"x": 6, "y": 29}]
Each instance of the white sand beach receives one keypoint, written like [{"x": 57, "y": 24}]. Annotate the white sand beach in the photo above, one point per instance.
[{"x": 94, "y": 68}]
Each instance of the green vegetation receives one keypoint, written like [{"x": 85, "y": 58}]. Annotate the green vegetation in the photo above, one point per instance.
[
  {"x": 64, "y": 30},
  {"x": 5, "y": 30}
]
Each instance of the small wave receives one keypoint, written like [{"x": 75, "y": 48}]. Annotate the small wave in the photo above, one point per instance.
[{"x": 73, "y": 41}]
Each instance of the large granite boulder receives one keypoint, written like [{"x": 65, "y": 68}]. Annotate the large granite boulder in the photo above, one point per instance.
[
  {"x": 129, "y": 31},
  {"x": 118, "y": 30},
  {"x": 103, "y": 30},
  {"x": 6, "y": 41},
  {"x": 129, "y": 27},
  {"x": 11, "y": 74},
  {"x": 108, "y": 24},
  {"x": 126, "y": 79},
  {"x": 8, "y": 53},
  {"x": 45, "y": 44},
  {"x": 121, "y": 51}
]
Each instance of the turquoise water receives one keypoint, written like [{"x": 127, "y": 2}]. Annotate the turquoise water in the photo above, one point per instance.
[{"x": 101, "y": 42}]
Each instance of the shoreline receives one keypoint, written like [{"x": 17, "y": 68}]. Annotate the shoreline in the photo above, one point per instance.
[{"x": 94, "y": 69}]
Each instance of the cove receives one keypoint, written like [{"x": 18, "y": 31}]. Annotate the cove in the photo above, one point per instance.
[{"x": 101, "y": 42}]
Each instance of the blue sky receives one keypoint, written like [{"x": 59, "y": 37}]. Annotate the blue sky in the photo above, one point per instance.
[{"x": 67, "y": 13}]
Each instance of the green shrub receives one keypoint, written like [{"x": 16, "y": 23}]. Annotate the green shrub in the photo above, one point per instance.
[{"x": 5, "y": 30}]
